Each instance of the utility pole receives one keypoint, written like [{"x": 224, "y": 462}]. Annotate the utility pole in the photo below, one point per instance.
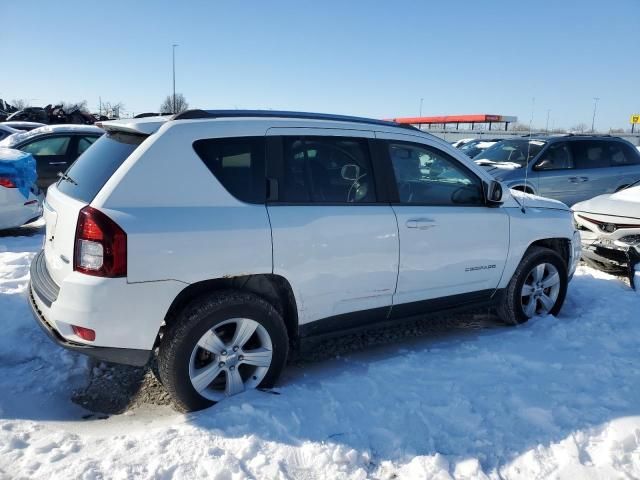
[
  {"x": 595, "y": 107},
  {"x": 174, "y": 75},
  {"x": 420, "y": 114},
  {"x": 547, "y": 127}
]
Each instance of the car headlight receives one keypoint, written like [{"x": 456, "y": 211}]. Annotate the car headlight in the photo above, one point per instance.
[{"x": 631, "y": 240}]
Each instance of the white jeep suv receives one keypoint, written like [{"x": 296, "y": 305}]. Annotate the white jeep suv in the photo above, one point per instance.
[{"x": 220, "y": 239}]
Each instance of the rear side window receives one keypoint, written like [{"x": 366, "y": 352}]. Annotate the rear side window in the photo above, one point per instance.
[
  {"x": 327, "y": 170},
  {"x": 622, "y": 154},
  {"x": 88, "y": 174},
  {"x": 590, "y": 154},
  {"x": 238, "y": 164}
]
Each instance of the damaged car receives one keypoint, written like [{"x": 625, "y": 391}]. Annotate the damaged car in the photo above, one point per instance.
[{"x": 609, "y": 228}]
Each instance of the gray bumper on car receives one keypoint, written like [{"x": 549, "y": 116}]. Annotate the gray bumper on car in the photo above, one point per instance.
[{"x": 46, "y": 290}]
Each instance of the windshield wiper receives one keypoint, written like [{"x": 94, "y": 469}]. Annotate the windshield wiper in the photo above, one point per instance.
[{"x": 67, "y": 178}]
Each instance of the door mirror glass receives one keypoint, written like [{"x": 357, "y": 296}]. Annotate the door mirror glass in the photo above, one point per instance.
[{"x": 493, "y": 193}]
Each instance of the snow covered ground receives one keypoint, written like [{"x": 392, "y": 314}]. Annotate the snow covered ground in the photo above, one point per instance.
[{"x": 555, "y": 398}]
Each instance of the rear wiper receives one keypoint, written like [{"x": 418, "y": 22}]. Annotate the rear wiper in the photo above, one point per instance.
[{"x": 66, "y": 177}]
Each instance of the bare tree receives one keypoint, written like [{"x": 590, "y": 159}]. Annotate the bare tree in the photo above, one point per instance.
[
  {"x": 181, "y": 104},
  {"x": 112, "y": 110},
  {"x": 580, "y": 127},
  {"x": 20, "y": 103}
]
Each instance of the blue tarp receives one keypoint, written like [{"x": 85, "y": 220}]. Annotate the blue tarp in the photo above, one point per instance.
[{"x": 19, "y": 167}]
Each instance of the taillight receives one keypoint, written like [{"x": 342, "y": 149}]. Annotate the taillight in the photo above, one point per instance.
[
  {"x": 84, "y": 333},
  {"x": 100, "y": 245},
  {"x": 7, "y": 182}
]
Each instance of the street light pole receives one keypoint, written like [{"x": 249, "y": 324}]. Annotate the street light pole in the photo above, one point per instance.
[
  {"x": 420, "y": 114},
  {"x": 595, "y": 107},
  {"x": 547, "y": 128},
  {"x": 174, "y": 76}
]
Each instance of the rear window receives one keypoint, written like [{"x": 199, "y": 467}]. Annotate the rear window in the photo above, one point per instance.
[
  {"x": 88, "y": 174},
  {"x": 238, "y": 164}
]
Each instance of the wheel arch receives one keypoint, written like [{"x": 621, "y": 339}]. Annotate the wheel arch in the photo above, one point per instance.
[
  {"x": 562, "y": 246},
  {"x": 275, "y": 289}
]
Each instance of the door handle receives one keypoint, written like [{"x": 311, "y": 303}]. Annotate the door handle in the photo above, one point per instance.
[
  {"x": 57, "y": 163},
  {"x": 420, "y": 223}
]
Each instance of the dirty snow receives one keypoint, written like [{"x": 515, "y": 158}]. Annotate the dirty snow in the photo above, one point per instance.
[{"x": 555, "y": 398}]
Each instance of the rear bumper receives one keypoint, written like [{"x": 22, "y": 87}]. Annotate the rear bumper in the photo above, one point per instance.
[
  {"x": 55, "y": 315},
  {"x": 127, "y": 356}
]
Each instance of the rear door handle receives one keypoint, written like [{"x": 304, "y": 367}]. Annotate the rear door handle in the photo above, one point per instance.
[
  {"x": 57, "y": 163},
  {"x": 420, "y": 223}
]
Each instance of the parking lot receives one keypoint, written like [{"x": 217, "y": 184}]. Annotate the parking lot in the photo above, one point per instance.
[{"x": 319, "y": 240}]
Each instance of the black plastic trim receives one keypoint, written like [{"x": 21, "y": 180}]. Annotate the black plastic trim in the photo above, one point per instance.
[
  {"x": 43, "y": 285},
  {"x": 125, "y": 356},
  {"x": 199, "y": 114},
  {"x": 386, "y": 316}
]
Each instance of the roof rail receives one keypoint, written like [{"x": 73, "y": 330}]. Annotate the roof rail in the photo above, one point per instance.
[
  {"x": 588, "y": 135},
  {"x": 198, "y": 114}
]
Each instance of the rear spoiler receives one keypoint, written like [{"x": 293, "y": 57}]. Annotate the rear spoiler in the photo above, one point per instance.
[{"x": 139, "y": 126}]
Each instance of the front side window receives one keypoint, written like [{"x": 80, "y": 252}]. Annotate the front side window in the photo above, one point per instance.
[
  {"x": 590, "y": 154},
  {"x": 327, "y": 170},
  {"x": 238, "y": 163},
  {"x": 429, "y": 176},
  {"x": 52, "y": 146},
  {"x": 556, "y": 157}
]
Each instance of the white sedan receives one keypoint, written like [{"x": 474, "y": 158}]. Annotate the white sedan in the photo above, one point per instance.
[
  {"x": 20, "y": 197},
  {"x": 609, "y": 227},
  {"x": 5, "y": 131}
]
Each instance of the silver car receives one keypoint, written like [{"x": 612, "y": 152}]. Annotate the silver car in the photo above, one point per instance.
[{"x": 569, "y": 168}]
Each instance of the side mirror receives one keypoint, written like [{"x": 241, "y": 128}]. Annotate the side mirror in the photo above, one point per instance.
[
  {"x": 350, "y": 172},
  {"x": 544, "y": 164},
  {"x": 493, "y": 193}
]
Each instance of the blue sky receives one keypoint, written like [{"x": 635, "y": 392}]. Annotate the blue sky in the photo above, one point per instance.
[{"x": 351, "y": 57}]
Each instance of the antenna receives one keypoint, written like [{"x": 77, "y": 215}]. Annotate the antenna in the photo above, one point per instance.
[{"x": 526, "y": 161}]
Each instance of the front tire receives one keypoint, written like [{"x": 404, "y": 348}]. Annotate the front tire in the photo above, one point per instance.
[
  {"x": 538, "y": 287},
  {"x": 220, "y": 345}
]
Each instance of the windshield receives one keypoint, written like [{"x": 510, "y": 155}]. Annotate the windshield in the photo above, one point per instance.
[
  {"x": 475, "y": 148},
  {"x": 512, "y": 151},
  {"x": 88, "y": 174}
]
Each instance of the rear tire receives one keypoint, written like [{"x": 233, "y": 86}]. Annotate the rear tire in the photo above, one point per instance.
[
  {"x": 221, "y": 343},
  {"x": 533, "y": 289}
]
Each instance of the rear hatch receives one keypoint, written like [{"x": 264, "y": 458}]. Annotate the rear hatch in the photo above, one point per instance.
[{"x": 76, "y": 189}]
